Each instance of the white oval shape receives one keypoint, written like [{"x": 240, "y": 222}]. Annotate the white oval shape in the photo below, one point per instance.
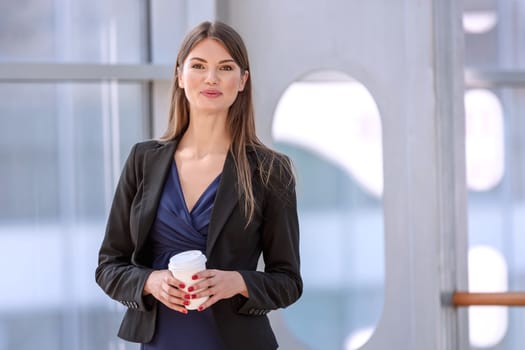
[
  {"x": 358, "y": 338},
  {"x": 484, "y": 139},
  {"x": 478, "y": 22},
  {"x": 338, "y": 120},
  {"x": 487, "y": 273}
]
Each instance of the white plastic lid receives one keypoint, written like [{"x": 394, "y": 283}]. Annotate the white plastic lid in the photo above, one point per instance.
[{"x": 187, "y": 260}]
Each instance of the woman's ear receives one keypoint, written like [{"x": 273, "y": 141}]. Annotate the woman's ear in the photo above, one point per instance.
[
  {"x": 179, "y": 78},
  {"x": 244, "y": 79}
]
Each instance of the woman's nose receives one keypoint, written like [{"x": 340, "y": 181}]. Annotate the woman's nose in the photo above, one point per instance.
[{"x": 211, "y": 77}]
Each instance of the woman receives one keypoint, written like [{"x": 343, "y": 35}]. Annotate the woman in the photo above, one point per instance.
[{"x": 209, "y": 184}]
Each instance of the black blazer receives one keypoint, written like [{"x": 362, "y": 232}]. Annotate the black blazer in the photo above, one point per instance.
[{"x": 232, "y": 244}]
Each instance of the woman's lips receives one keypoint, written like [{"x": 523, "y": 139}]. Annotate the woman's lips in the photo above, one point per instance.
[{"x": 211, "y": 93}]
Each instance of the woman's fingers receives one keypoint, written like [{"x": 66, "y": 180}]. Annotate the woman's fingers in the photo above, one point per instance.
[
  {"x": 171, "y": 285},
  {"x": 211, "y": 300},
  {"x": 171, "y": 280},
  {"x": 176, "y": 303},
  {"x": 167, "y": 289},
  {"x": 206, "y": 280},
  {"x": 216, "y": 285}
]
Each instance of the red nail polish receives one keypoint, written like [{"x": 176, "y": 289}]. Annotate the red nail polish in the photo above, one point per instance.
[
  {"x": 193, "y": 296},
  {"x": 190, "y": 289},
  {"x": 184, "y": 311},
  {"x": 186, "y": 302},
  {"x": 187, "y": 296},
  {"x": 181, "y": 285},
  {"x": 201, "y": 308},
  {"x": 194, "y": 277}
]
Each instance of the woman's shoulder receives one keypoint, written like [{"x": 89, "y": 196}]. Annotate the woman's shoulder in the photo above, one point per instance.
[
  {"x": 272, "y": 165},
  {"x": 266, "y": 155},
  {"x": 141, "y": 147}
]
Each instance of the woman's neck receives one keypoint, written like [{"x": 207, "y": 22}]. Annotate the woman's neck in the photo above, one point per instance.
[{"x": 206, "y": 134}]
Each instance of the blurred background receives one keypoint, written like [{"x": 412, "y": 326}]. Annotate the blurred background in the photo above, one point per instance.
[{"x": 82, "y": 81}]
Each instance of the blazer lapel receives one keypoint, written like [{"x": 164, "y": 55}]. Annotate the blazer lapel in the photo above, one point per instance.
[
  {"x": 225, "y": 200},
  {"x": 156, "y": 166}
]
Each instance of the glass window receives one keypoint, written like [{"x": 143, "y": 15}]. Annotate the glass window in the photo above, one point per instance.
[
  {"x": 484, "y": 139},
  {"x": 62, "y": 147},
  {"x": 494, "y": 34},
  {"x": 330, "y": 126},
  {"x": 496, "y": 226},
  {"x": 495, "y": 169},
  {"x": 96, "y": 31},
  {"x": 167, "y": 29}
]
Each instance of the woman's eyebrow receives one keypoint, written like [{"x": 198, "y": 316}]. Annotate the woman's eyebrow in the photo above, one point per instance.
[{"x": 203, "y": 60}]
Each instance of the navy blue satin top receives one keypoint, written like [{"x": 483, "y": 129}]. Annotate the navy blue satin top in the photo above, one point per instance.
[{"x": 175, "y": 230}]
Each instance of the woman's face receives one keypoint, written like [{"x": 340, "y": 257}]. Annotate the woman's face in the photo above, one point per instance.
[{"x": 210, "y": 78}]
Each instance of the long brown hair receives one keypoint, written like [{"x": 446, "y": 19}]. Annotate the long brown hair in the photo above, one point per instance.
[{"x": 241, "y": 121}]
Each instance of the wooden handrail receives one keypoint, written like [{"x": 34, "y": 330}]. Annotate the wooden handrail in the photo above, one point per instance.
[{"x": 487, "y": 299}]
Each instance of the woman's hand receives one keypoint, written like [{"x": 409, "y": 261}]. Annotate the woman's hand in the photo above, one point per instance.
[
  {"x": 217, "y": 284},
  {"x": 166, "y": 289}
]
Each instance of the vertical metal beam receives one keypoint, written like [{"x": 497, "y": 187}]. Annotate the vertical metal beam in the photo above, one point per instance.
[
  {"x": 148, "y": 87},
  {"x": 451, "y": 177},
  {"x": 425, "y": 189}
]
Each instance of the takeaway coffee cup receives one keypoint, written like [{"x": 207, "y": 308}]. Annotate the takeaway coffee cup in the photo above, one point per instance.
[{"x": 183, "y": 266}]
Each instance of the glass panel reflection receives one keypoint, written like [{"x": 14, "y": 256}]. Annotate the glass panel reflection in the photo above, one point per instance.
[
  {"x": 73, "y": 31},
  {"x": 59, "y": 147},
  {"x": 496, "y": 210}
]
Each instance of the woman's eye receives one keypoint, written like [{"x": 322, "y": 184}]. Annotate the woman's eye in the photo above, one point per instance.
[
  {"x": 197, "y": 66},
  {"x": 226, "y": 68}
]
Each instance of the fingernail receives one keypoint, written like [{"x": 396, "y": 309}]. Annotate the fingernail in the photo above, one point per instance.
[
  {"x": 190, "y": 289},
  {"x": 193, "y": 296},
  {"x": 201, "y": 308},
  {"x": 187, "y": 296},
  {"x": 184, "y": 311},
  {"x": 194, "y": 277},
  {"x": 181, "y": 285},
  {"x": 186, "y": 302}
]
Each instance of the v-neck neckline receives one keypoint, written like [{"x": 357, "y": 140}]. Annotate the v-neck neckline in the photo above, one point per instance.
[{"x": 181, "y": 191}]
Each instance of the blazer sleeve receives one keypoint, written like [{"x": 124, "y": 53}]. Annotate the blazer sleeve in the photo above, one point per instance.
[
  {"x": 117, "y": 274},
  {"x": 280, "y": 284}
]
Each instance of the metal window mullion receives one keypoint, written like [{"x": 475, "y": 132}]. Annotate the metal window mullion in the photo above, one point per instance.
[
  {"x": 53, "y": 72},
  {"x": 145, "y": 72},
  {"x": 487, "y": 78},
  {"x": 148, "y": 86}
]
